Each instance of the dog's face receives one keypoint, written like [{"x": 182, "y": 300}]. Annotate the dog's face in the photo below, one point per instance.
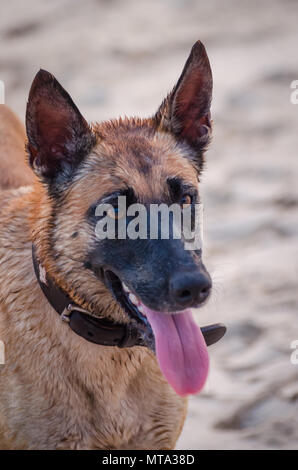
[{"x": 150, "y": 161}]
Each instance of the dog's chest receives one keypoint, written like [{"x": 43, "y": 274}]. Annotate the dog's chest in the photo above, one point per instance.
[{"x": 138, "y": 415}]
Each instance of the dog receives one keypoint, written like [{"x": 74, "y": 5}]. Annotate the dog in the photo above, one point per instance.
[{"x": 101, "y": 349}]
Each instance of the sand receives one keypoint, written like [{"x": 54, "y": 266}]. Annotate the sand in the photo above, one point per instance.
[{"x": 122, "y": 57}]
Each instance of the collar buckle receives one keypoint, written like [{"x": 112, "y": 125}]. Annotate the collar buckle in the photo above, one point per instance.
[{"x": 66, "y": 314}]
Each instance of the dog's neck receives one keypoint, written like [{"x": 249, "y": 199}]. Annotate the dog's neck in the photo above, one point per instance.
[
  {"x": 18, "y": 255},
  {"x": 81, "y": 322}
]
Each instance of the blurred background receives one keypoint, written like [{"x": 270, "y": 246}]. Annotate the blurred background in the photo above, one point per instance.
[{"x": 122, "y": 57}]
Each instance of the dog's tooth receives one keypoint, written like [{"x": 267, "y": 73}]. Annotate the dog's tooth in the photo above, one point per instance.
[
  {"x": 141, "y": 309},
  {"x": 125, "y": 288},
  {"x": 133, "y": 299}
]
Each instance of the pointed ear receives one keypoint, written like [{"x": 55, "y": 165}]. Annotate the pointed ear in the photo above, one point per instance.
[
  {"x": 58, "y": 135},
  {"x": 186, "y": 110}
]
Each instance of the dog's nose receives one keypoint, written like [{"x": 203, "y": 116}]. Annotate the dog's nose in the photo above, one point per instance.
[{"x": 189, "y": 289}]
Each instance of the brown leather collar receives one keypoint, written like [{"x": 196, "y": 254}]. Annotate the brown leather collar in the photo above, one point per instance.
[
  {"x": 97, "y": 330},
  {"x": 93, "y": 329}
]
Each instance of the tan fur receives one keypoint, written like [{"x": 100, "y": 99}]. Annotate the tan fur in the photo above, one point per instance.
[
  {"x": 13, "y": 170},
  {"x": 58, "y": 391}
]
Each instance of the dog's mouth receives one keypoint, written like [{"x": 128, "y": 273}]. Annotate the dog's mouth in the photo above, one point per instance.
[
  {"x": 128, "y": 301},
  {"x": 181, "y": 349}
]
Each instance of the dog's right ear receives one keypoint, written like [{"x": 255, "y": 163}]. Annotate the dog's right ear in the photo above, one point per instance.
[
  {"x": 186, "y": 110},
  {"x": 58, "y": 135}
]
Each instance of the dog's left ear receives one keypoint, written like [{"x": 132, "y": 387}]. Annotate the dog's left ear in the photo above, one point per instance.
[
  {"x": 58, "y": 135},
  {"x": 186, "y": 110}
]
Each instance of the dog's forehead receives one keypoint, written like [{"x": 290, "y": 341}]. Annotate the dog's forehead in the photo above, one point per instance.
[{"x": 141, "y": 158}]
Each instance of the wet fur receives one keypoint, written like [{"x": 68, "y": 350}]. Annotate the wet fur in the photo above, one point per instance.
[{"x": 58, "y": 391}]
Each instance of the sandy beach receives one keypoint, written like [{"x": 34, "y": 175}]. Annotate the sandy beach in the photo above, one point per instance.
[{"x": 121, "y": 58}]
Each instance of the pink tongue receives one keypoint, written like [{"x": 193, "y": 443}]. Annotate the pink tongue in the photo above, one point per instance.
[{"x": 181, "y": 350}]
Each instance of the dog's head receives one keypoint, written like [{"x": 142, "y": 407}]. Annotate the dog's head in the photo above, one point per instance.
[{"x": 149, "y": 161}]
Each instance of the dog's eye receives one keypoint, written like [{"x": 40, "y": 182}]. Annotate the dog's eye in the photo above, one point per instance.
[
  {"x": 115, "y": 213},
  {"x": 186, "y": 200}
]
